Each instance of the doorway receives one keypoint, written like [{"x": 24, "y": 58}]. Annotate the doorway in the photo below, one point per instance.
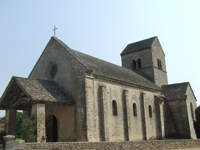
[{"x": 51, "y": 129}]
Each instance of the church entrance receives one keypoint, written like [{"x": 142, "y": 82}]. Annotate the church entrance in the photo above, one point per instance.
[{"x": 51, "y": 129}]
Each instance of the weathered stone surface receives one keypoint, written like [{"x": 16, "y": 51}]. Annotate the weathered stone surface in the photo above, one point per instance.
[
  {"x": 38, "y": 111},
  {"x": 138, "y": 145},
  {"x": 10, "y": 122},
  {"x": 11, "y": 144},
  {"x": 148, "y": 51},
  {"x": 110, "y": 103}
]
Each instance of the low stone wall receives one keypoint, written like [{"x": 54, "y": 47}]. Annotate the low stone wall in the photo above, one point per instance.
[{"x": 130, "y": 145}]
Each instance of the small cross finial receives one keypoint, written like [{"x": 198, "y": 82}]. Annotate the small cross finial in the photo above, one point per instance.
[{"x": 54, "y": 30}]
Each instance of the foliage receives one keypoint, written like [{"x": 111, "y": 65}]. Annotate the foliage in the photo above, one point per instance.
[
  {"x": 2, "y": 118},
  {"x": 197, "y": 122},
  {"x": 28, "y": 129},
  {"x": 19, "y": 124},
  {"x": 2, "y": 133}
]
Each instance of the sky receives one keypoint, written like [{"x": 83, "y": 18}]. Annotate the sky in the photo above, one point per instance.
[{"x": 100, "y": 28}]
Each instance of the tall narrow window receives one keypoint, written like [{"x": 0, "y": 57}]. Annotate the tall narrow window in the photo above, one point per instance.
[
  {"x": 159, "y": 63},
  {"x": 133, "y": 65},
  {"x": 191, "y": 109},
  {"x": 114, "y": 107},
  {"x": 150, "y": 111},
  {"x": 134, "y": 110},
  {"x": 139, "y": 63}
]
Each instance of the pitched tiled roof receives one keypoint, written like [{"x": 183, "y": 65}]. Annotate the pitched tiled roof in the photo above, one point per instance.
[
  {"x": 175, "y": 91},
  {"x": 106, "y": 69},
  {"x": 36, "y": 90},
  {"x": 43, "y": 90},
  {"x": 138, "y": 45}
]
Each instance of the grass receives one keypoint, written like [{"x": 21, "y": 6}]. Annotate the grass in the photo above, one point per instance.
[{"x": 18, "y": 139}]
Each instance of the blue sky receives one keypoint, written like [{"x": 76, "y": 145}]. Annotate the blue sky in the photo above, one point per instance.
[{"x": 101, "y": 29}]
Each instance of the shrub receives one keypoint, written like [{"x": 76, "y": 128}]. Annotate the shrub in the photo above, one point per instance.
[
  {"x": 2, "y": 133},
  {"x": 28, "y": 129},
  {"x": 19, "y": 124}
]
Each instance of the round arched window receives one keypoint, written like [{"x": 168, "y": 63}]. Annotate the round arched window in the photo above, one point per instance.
[
  {"x": 51, "y": 70},
  {"x": 134, "y": 110},
  {"x": 114, "y": 107},
  {"x": 150, "y": 111}
]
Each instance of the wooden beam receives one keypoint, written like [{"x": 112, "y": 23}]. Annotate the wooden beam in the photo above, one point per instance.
[
  {"x": 18, "y": 102},
  {"x": 16, "y": 108}
]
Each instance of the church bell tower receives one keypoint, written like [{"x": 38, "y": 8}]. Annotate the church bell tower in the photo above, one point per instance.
[{"x": 146, "y": 58}]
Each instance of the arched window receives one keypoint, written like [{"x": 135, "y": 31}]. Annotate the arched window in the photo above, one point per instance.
[
  {"x": 150, "y": 111},
  {"x": 159, "y": 63},
  {"x": 139, "y": 63},
  {"x": 114, "y": 107},
  {"x": 191, "y": 109},
  {"x": 134, "y": 110},
  {"x": 133, "y": 65}
]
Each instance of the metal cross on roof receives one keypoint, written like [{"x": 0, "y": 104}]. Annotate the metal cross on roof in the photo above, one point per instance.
[{"x": 54, "y": 30}]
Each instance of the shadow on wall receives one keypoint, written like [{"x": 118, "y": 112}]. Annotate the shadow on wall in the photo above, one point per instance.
[{"x": 197, "y": 122}]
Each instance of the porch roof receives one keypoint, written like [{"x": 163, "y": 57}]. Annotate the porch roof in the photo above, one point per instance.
[{"x": 23, "y": 92}]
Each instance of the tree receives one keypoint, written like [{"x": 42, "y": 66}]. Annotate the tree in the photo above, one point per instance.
[
  {"x": 28, "y": 129},
  {"x": 19, "y": 124},
  {"x": 197, "y": 122}
]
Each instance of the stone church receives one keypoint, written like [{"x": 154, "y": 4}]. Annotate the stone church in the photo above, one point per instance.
[{"x": 77, "y": 97}]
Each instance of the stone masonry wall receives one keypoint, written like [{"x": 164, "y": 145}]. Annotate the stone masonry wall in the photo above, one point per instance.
[
  {"x": 65, "y": 121},
  {"x": 191, "y": 106},
  {"x": 101, "y": 121},
  {"x": 70, "y": 75},
  {"x": 38, "y": 111},
  {"x": 157, "y": 53},
  {"x": 178, "y": 127},
  {"x": 148, "y": 59},
  {"x": 139, "y": 145}
]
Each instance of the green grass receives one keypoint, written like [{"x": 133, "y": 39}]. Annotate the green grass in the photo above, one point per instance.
[{"x": 18, "y": 139}]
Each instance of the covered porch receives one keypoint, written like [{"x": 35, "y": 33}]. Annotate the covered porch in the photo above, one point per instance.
[{"x": 36, "y": 98}]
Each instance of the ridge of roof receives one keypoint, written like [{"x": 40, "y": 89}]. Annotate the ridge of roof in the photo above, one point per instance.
[
  {"x": 177, "y": 84},
  {"x": 139, "y": 45},
  {"x": 107, "y": 69}
]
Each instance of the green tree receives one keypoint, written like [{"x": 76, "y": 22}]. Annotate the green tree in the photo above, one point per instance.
[
  {"x": 2, "y": 118},
  {"x": 19, "y": 124},
  {"x": 28, "y": 129},
  {"x": 197, "y": 122}
]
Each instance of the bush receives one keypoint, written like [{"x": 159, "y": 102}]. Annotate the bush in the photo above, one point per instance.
[
  {"x": 28, "y": 129},
  {"x": 19, "y": 124},
  {"x": 2, "y": 133}
]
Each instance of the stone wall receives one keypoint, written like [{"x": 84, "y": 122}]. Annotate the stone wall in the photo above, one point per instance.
[
  {"x": 191, "y": 106},
  {"x": 65, "y": 121},
  {"x": 146, "y": 61},
  {"x": 139, "y": 145},
  {"x": 176, "y": 119},
  {"x": 103, "y": 125},
  {"x": 70, "y": 75},
  {"x": 149, "y": 63}
]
